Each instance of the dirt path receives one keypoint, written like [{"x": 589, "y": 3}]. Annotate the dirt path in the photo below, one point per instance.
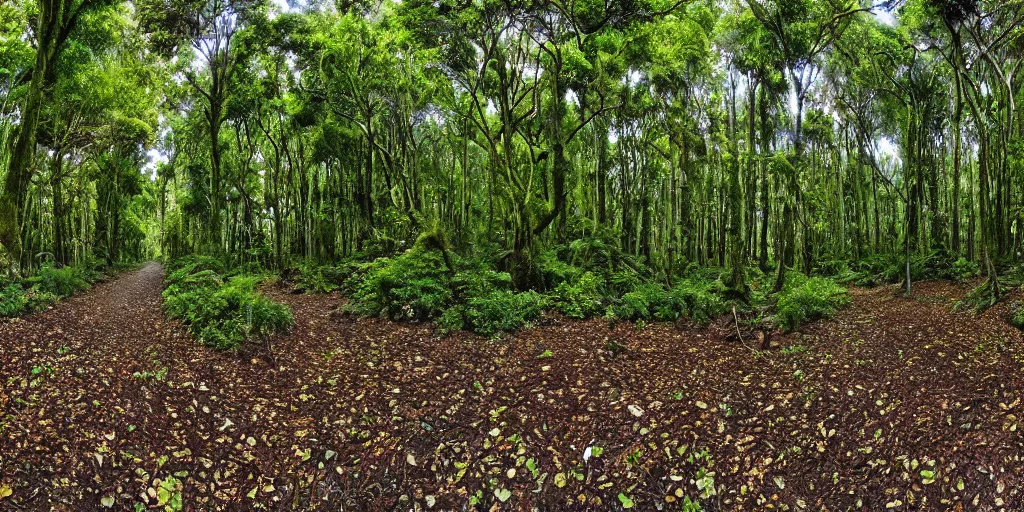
[{"x": 896, "y": 403}]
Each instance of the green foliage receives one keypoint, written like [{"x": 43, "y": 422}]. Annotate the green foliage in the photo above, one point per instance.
[
  {"x": 12, "y": 300},
  {"x": 1017, "y": 316},
  {"x": 60, "y": 282},
  {"x": 453, "y": 319},
  {"x": 580, "y": 298},
  {"x": 641, "y": 304},
  {"x": 417, "y": 285},
  {"x": 39, "y": 301},
  {"x": 891, "y": 268},
  {"x": 503, "y": 311},
  {"x": 700, "y": 300},
  {"x": 804, "y": 300},
  {"x": 793, "y": 349},
  {"x": 321, "y": 279},
  {"x": 695, "y": 298},
  {"x": 963, "y": 268},
  {"x": 412, "y": 286},
  {"x": 46, "y": 286},
  {"x": 221, "y": 312},
  {"x": 597, "y": 253}
]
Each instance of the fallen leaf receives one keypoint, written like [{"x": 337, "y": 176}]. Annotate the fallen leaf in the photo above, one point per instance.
[{"x": 503, "y": 494}]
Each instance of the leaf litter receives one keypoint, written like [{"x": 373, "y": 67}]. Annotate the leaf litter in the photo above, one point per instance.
[{"x": 896, "y": 404}]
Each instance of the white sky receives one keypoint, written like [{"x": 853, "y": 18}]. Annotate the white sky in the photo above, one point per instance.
[{"x": 884, "y": 16}]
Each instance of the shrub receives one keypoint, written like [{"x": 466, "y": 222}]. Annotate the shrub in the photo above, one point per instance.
[
  {"x": 453, "y": 319},
  {"x": 325, "y": 279},
  {"x": 579, "y": 299},
  {"x": 597, "y": 252},
  {"x": 46, "y": 286},
  {"x": 502, "y": 311},
  {"x": 39, "y": 301},
  {"x": 1017, "y": 317},
  {"x": 12, "y": 300},
  {"x": 641, "y": 303},
  {"x": 484, "y": 302},
  {"x": 222, "y": 312},
  {"x": 252, "y": 267},
  {"x": 963, "y": 268},
  {"x": 892, "y": 268},
  {"x": 832, "y": 268},
  {"x": 60, "y": 282},
  {"x": 477, "y": 280},
  {"x": 698, "y": 299},
  {"x": 554, "y": 271},
  {"x": 193, "y": 263},
  {"x": 412, "y": 286},
  {"x": 809, "y": 299}
]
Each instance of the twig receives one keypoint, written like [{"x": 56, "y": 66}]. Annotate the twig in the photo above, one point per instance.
[
  {"x": 736, "y": 318},
  {"x": 739, "y": 335}
]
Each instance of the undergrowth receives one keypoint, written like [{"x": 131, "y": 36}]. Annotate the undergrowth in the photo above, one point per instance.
[
  {"x": 805, "y": 299},
  {"x": 47, "y": 285},
  {"x": 221, "y": 310},
  {"x": 892, "y": 268},
  {"x": 582, "y": 279}
]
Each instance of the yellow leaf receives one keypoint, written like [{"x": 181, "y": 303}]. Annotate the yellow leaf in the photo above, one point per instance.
[{"x": 5, "y": 491}]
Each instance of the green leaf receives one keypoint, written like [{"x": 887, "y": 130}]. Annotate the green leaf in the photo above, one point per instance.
[
  {"x": 626, "y": 501},
  {"x": 162, "y": 496}
]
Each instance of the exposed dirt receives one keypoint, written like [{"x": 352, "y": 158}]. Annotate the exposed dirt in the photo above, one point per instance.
[{"x": 896, "y": 403}]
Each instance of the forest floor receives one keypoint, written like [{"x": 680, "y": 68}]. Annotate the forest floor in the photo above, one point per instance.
[{"x": 896, "y": 403}]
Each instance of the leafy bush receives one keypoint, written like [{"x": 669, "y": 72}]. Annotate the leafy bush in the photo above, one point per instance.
[
  {"x": 453, "y": 319},
  {"x": 46, "y": 286},
  {"x": 804, "y": 300},
  {"x": 581, "y": 279},
  {"x": 12, "y": 300},
  {"x": 596, "y": 252},
  {"x": 579, "y": 299},
  {"x": 963, "y": 268},
  {"x": 641, "y": 304},
  {"x": 39, "y": 301},
  {"x": 698, "y": 299},
  {"x": 502, "y": 311},
  {"x": 60, "y": 282},
  {"x": 418, "y": 285},
  {"x": 221, "y": 312},
  {"x": 554, "y": 271},
  {"x": 323, "y": 279},
  {"x": 412, "y": 286},
  {"x": 1017, "y": 316},
  {"x": 892, "y": 268},
  {"x": 193, "y": 263},
  {"x": 252, "y": 267}
]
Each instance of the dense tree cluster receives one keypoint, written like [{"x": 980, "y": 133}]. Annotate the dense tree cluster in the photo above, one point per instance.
[{"x": 790, "y": 134}]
